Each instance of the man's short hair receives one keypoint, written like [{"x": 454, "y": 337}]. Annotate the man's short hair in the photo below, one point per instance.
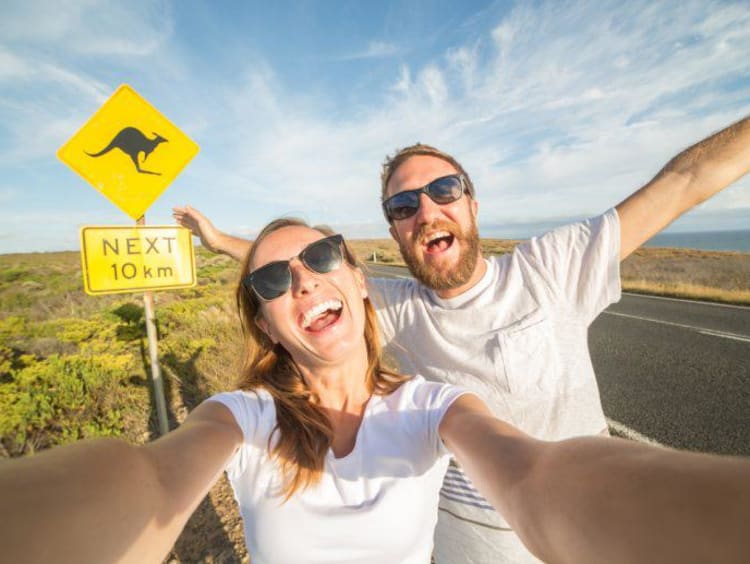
[{"x": 401, "y": 155}]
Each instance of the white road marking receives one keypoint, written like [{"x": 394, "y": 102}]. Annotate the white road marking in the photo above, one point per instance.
[
  {"x": 725, "y": 335},
  {"x": 711, "y": 332},
  {"x": 405, "y": 277},
  {"x": 623, "y": 430},
  {"x": 701, "y": 302}
]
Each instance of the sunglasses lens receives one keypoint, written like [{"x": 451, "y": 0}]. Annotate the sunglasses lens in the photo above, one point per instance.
[
  {"x": 402, "y": 205},
  {"x": 445, "y": 190},
  {"x": 275, "y": 278},
  {"x": 323, "y": 256},
  {"x": 441, "y": 191},
  {"x": 272, "y": 280}
]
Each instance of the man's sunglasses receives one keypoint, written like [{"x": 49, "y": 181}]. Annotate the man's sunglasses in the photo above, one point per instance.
[
  {"x": 443, "y": 190},
  {"x": 272, "y": 280}
]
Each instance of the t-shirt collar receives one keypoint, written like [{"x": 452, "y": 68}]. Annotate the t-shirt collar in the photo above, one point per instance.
[{"x": 468, "y": 295}]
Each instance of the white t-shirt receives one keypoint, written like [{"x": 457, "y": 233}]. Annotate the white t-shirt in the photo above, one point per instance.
[
  {"x": 377, "y": 504},
  {"x": 518, "y": 339}
]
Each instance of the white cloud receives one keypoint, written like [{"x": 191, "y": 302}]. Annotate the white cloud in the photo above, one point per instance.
[
  {"x": 557, "y": 110},
  {"x": 374, "y": 50},
  {"x": 88, "y": 27},
  {"x": 12, "y": 67},
  {"x": 569, "y": 109},
  {"x": 44, "y": 47}
]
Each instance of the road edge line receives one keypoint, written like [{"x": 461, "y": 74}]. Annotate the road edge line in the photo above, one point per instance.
[{"x": 621, "y": 430}]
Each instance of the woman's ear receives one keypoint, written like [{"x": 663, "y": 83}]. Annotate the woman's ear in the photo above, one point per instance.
[
  {"x": 361, "y": 281},
  {"x": 265, "y": 327}
]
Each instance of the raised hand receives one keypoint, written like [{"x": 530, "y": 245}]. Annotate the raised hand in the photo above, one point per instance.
[{"x": 211, "y": 238}]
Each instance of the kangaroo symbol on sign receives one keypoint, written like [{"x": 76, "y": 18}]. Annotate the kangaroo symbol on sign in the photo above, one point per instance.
[{"x": 133, "y": 142}]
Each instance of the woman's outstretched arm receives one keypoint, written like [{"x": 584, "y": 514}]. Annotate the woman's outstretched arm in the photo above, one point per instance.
[
  {"x": 595, "y": 499},
  {"x": 108, "y": 501}
]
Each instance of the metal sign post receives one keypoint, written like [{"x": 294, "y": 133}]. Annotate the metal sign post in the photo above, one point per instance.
[{"x": 153, "y": 354}]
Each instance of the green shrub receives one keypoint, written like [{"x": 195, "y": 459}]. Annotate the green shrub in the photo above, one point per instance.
[{"x": 61, "y": 399}]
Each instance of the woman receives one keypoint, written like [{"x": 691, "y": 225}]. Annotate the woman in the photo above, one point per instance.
[{"x": 334, "y": 459}]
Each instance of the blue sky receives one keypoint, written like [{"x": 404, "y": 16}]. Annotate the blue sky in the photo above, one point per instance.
[{"x": 558, "y": 110}]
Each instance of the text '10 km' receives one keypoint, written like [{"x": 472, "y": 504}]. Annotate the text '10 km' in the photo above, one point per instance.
[{"x": 130, "y": 271}]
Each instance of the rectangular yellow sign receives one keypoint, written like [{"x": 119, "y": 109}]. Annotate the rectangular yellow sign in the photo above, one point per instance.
[
  {"x": 137, "y": 258},
  {"x": 128, "y": 151}
]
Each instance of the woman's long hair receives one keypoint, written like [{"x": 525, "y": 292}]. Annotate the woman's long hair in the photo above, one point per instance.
[{"x": 303, "y": 433}]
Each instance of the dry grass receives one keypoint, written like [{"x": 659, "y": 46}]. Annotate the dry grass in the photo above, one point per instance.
[
  {"x": 687, "y": 291},
  {"x": 716, "y": 276},
  {"x": 687, "y": 273}
]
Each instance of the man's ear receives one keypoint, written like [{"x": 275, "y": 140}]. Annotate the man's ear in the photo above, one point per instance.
[{"x": 263, "y": 326}]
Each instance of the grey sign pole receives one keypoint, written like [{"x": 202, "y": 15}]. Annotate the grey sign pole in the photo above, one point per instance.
[{"x": 153, "y": 353}]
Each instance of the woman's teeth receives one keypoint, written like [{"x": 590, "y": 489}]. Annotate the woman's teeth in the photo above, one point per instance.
[{"x": 321, "y": 308}]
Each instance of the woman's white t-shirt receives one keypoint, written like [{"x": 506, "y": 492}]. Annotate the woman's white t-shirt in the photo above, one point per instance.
[{"x": 377, "y": 504}]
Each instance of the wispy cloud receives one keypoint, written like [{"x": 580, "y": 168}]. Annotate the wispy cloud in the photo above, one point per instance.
[
  {"x": 49, "y": 85},
  {"x": 88, "y": 27},
  {"x": 564, "y": 108},
  {"x": 374, "y": 50},
  {"x": 557, "y": 109}
]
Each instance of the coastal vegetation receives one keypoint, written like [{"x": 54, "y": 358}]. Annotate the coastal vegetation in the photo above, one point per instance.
[{"x": 74, "y": 367}]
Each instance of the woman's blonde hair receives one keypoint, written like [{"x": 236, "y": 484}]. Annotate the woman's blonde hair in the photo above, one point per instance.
[{"x": 303, "y": 433}]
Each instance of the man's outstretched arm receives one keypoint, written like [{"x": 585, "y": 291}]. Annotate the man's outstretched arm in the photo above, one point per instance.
[
  {"x": 214, "y": 240},
  {"x": 688, "y": 179}
]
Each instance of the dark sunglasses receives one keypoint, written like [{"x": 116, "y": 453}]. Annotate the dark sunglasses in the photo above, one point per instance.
[
  {"x": 273, "y": 279},
  {"x": 443, "y": 190}
]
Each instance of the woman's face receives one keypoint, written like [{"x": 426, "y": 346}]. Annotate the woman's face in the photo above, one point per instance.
[{"x": 321, "y": 318}]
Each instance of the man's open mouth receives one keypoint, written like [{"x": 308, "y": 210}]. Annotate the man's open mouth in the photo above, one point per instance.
[{"x": 438, "y": 242}]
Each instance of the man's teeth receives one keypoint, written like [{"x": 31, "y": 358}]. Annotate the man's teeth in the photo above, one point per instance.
[
  {"x": 316, "y": 310},
  {"x": 435, "y": 236}
]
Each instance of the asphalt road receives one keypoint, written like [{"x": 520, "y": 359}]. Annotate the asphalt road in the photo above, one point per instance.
[
  {"x": 672, "y": 371},
  {"x": 676, "y": 371}
]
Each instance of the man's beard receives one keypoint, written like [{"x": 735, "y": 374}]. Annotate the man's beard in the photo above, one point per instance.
[{"x": 460, "y": 273}]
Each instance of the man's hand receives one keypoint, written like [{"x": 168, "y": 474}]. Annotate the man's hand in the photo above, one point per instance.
[
  {"x": 211, "y": 238},
  {"x": 688, "y": 179}
]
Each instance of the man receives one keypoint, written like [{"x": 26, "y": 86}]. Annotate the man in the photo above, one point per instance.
[{"x": 513, "y": 328}]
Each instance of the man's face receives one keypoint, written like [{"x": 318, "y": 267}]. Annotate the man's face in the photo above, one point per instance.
[{"x": 440, "y": 243}]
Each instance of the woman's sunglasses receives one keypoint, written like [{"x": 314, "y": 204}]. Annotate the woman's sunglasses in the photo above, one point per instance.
[
  {"x": 443, "y": 190},
  {"x": 272, "y": 280}
]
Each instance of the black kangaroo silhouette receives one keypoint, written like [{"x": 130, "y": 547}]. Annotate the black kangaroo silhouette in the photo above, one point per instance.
[{"x": 132, "y": 142}]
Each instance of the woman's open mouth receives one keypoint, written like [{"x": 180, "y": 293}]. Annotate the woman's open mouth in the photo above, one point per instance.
[{"x": 321, "y": 316}]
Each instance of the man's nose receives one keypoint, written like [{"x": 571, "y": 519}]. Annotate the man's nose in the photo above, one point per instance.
[{"x": 428, "y": 210}]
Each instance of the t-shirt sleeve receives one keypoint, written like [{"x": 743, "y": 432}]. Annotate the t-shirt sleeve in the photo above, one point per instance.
[
  {"x": 388, "y": 296},
  {"x": 435, "y": 398},
  {"x": 255, "y": 414},
  {"x": 581, "y": 262},
  {"x": 378, "y": 292}
]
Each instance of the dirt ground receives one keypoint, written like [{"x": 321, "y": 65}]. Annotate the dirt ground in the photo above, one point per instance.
[{"x": 214, "y": 533}]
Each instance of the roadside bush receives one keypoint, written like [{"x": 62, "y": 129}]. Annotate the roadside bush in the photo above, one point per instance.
[{"x": 61, "y": 399}]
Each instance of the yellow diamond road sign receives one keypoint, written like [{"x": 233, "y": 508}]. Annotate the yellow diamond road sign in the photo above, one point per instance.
[
  {"x": 128, "y": 151},
  {"x": 131, "y": 259}
]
